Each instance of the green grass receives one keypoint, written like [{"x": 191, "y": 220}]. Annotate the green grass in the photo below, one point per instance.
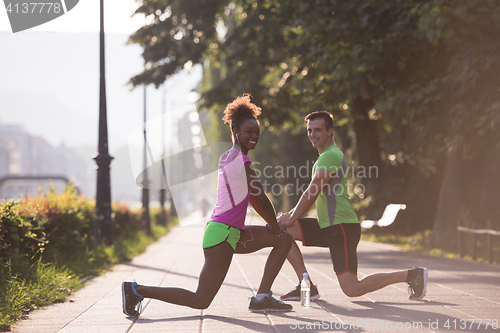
[
  {"x": 96, "y": 260},
  {"x": 25, "y": 287},
  {"x": 420, "y": 241}
]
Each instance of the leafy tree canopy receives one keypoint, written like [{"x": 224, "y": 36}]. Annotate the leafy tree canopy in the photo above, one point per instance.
[{"x": 412, "y": 78}]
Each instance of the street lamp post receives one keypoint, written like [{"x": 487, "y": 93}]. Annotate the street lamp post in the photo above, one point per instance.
[
  {"x": 145, "y": 181},
  {"x": 173, "y": 211},
  {"x": 103, "y": 224},
  {"x": 163, "y": 191}
]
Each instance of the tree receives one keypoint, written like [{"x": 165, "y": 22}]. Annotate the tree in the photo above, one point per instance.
[
  {"x": 351, "y": 56},
  {"x": 465, "y": 96},
  {"x": 417, "y": 81},
  {"x": 299, "y": 56},
  {"x": 180, "y": 34}
]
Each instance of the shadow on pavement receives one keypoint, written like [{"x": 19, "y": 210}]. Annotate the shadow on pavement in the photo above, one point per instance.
[{"x": 180, "y": 274}]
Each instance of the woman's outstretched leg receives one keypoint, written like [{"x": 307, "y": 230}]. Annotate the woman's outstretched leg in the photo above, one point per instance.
[{"x": 213, "y": 273}]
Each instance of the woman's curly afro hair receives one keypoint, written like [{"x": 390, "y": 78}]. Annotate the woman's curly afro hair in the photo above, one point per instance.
[{"x": 240, "y": 110}]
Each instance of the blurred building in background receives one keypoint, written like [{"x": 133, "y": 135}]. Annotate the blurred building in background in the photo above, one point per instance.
[{"x": 24, "y": 157}]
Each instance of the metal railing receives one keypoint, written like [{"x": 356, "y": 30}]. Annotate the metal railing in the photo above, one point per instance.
[
  {"x": 4, "y": 181},
  {"x": 473, "y": 231}
]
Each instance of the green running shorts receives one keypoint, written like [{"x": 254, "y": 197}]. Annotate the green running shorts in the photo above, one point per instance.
[{"x": 216, "y": 233}]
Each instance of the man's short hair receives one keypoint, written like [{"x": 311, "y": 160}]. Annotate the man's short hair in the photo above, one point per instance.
[{"x": 326, "y": 116}]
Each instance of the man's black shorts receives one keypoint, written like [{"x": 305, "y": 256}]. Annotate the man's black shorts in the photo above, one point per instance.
[{"x": 342, "y": 240}]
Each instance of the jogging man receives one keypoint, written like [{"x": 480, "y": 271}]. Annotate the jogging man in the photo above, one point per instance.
[{"x": 337, "y": 227}]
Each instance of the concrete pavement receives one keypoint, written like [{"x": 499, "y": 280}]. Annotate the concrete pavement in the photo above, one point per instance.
[{"x": 462, "y": 296}]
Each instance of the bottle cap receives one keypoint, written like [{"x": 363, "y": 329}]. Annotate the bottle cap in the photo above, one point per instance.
[{"x": 305, "y": 276}]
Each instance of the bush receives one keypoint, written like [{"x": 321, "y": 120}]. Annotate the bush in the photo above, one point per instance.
[{"x": 47, "y": 249}]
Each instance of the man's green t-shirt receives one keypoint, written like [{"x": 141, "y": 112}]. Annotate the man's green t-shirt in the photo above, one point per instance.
[{"x": 333, "y": 204}]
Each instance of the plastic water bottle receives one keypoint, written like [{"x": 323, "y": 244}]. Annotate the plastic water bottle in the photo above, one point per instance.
[{"x": 305, "y": 290}]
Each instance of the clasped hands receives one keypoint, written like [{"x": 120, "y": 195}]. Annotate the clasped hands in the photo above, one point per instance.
[{"x": 282, "y": 220}]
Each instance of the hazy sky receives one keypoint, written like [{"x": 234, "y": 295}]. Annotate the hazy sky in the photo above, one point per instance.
[
  {"x": 49, "y": 76},
  {"x": 49, "y": 84}
]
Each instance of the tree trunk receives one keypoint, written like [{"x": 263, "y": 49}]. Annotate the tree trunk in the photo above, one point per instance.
[
  {"x": 366, "y": 134},
  {"x": 489, "y": 194},
  {"x": 368, "y": 147},
  {"x": 463, "y": 196},
  {"x": 445, "y": 233}
]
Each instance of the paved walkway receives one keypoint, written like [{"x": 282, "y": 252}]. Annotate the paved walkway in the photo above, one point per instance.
[{"x": 462, "y": 296}]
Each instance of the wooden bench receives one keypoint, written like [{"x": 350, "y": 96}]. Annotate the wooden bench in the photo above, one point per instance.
[{"x": 388, "y": 216}]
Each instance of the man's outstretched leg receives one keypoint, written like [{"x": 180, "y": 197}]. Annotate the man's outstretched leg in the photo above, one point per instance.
[
  {"x": 416, "y": 279},
  {"x": 344, "y": 239}
]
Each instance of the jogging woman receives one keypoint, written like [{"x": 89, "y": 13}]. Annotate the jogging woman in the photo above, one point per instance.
[{"x": 225, "y": 232}]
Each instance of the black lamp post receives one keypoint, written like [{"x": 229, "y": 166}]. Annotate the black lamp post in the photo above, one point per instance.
[
  {"x": 163, "y": 191},
  {"x": 145, "y": 181},
  {"x": 173, "y": 211},
  {"x": 103, "y": 224}
]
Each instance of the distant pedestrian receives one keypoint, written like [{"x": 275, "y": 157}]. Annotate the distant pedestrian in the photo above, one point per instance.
[
  {"x": 225, "y": 232},
  {"x": 204, "y": 205}
]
